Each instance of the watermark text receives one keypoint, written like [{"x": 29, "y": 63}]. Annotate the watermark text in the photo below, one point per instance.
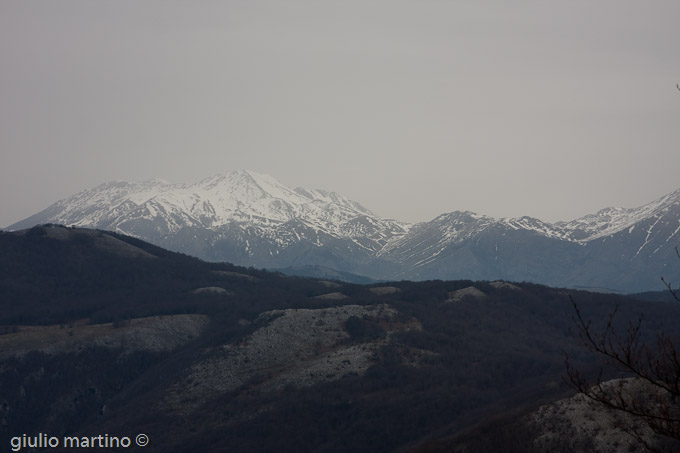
[{"x": 103, "y": 441}]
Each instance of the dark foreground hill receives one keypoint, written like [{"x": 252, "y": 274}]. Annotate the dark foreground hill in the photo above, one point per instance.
[{"x": 107, "y": 335}]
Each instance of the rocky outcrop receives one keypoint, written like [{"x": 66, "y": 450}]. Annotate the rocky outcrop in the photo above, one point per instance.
[
  {"x": 579, "y": 424},
  {"x": 297, "y": 347}
]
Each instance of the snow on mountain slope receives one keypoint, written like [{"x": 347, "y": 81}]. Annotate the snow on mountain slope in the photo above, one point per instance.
[
  {"x": 429, "y": 239},
  {"x": 624, "y": 249},
  {"x": 543, "y": 228},
  {"x": 610, "y": 221},
  {"x": 250, "y": 200},
  {"x": 252, "y": 219},
  {"x": 84, "y": 208}
]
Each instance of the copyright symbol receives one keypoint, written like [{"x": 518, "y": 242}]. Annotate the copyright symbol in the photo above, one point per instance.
[{"x": 142, "y": 440}]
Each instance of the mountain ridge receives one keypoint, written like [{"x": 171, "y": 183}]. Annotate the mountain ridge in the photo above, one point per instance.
[{"x": 252, "y": 219}]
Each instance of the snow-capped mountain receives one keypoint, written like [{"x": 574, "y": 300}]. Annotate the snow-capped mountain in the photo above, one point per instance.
[
  {"x": 632, "y": 245},
  {"x": 243, "y": 217},
  {"x": 428, "y": 240},
  {"x": 471, "y": 246},
  {"x": 617, "y": 248},
  {"x": 240, "y": 196},
  {"x": 610, "y": 221},
  {"x": 252, "y": 219}
]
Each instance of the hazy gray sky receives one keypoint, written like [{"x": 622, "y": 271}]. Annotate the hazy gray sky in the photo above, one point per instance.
[{"x": 552, "y": 109}]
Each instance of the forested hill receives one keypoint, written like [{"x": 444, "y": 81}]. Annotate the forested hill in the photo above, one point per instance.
[
  {"x": 60, "y": 274},
  {"x": 103, "y": 333}
]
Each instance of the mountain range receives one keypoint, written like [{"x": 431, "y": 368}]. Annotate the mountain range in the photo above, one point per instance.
[{"x": 252, "y": 219}]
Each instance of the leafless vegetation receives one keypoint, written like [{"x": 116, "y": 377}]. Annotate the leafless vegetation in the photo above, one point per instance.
[{"x": 652, "y": 397}]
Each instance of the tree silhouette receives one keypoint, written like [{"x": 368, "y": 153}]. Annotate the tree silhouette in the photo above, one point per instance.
[{"x": 651, "y": 394}]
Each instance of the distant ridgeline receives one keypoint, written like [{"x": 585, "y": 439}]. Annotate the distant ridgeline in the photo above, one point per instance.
[{"x": 251, "y": 219}]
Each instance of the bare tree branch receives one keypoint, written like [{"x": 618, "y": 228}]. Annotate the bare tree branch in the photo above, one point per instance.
[{"x": 653, "y": 395}]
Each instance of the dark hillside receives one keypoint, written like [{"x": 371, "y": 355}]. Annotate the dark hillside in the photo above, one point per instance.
[
  {"x": 107, "y": 334},
  {"x": 53, "y": 274}
]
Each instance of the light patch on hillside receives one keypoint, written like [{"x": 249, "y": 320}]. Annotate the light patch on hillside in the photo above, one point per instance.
[
  {"x": 213, "y": 290},
  {"x": 331, "y": 296},
  {"x": 499, "y": 284},
  {"x": 579, "y": 424},
  {"x": 384, "y": 290},
  {"x": 298, "y": 347},
  {"x": 230, "y": 274},
  {"x": 470, "y": 291},
  {"x": 155, "y": 333}
]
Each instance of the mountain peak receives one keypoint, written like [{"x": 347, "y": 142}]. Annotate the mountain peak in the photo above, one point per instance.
[
  {"x": 252, "y": 219},
  {"x": 242, "y": 199},
  {"x": 672, "y": 198},
  {"x": 460, "y": 216},
  {"x": 246, "y": 187},
  {"x": 609, "y": 221}
]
